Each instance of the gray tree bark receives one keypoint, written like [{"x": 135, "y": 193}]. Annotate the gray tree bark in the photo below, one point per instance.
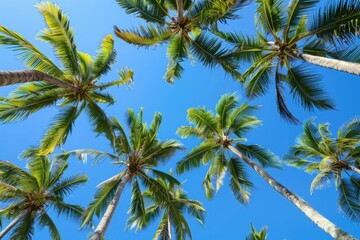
[{"x": 311, "y": 213}]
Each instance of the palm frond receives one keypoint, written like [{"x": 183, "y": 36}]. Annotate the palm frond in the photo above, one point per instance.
[
  {"x": 121, "y": 143},
  {"x": 25, "y": 227},
  {"x": 60, "y": 35},
  {"x": 137, "y": 206},
  {"x": 239, "y": 114},
  {"x": 322, "y": 179},
  {"x": 239, "y": 183},
  {"x": 204, "y": 152},
  {"x": 59, "y": 129},
  {"x": 204, "y": 120},
  {"x": 337, "y": 22},
  {"x": 265, "y": 157},
  {"x": 39, "y": 166},
  {"x": 176, "y": 52},
  {"x": 305, "y": 88},
  {"x": 32, "y": 56},
  {"x": 270, "y": 15},
  {"x": 349, "y": 54},
  {"x": 64, "y": 187},
  {"x": 101, "y": 198},
  {"x": 105, "y": 57},
  {"x": 349, "y": 199},
  {"x": 226, "y": 103},
  {"x": 144, "y": 10},
  {"x": 45, "y": 221},
  {"x": 144, "y": 36},
  {"x": 69, "y": 210},
  {"x": 126, "y": 77},
  {"x": 11, "y": 174},
  {"x": 258, "y": 83}
]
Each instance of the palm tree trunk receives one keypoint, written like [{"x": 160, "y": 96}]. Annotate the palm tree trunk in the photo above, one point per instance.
[
  {"x": 311, "y": 213},
  {"x": 110, "y": 210},
  {"x": 13, "y": 77},
  {"x": 169, "y": 228},
  {"x": 180, "y": 6},
  {"x": 11, "y": 225},
  {"x": 343, "y": 66},
  {"x": 354, "y": 169}
]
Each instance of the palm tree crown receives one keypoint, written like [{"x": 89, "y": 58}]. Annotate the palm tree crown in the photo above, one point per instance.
[
  {"x": 333, "y": 159},
  {"x": 75, "y": 83},
  {"x": 287, "y": 37},
  {"x": 182, "y": 24},
  {"x": 138, "y": 155},
  {"x": 172, "y": 212},
  {"x": 28, "y": 195},
  {"x": 219, "y": 131}
]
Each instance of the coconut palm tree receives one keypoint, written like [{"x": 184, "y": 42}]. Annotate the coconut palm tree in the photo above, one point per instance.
[
  {"x": 172, "y": 216},
  {"x": 29, "y": 195},
  {"x": 72, "y": 87},
  {"x": 287, "y": 37},
  {"x": 254, "y": 235},
  {"x": 138, "y": 155},
  {"x": 223, "y": 136},
  {"x": 183, "y": 25},
  {"x": 333, "y": 160}
]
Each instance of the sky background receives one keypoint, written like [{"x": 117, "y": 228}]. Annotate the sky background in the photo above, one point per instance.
[{"x": 199, "y": 86}]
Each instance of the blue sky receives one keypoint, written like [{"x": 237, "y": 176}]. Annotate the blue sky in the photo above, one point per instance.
[{"x": 199, "y": 86}]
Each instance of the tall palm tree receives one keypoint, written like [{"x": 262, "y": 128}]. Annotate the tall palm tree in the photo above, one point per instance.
[
  {"x": 138, "y": 155},
  {"x": 254, "y": 235},
  {"x": 333, "y": 160},
  {"x": 172, "y": 216},
  {"x": 183, "y": 25},
  {"x": 28, "y": 195},
  {"x": 223, "y": 136},
  {"x": 75, "y": 83},
  {"x": 286, "y": 37}
]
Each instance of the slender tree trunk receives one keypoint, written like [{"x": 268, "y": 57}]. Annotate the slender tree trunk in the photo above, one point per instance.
[
  {"x": 354, "y": 169},
  {"x": 311, "y": 213},
  {"x": 110, "y": 210},
  {"x": 13, "y": 77},
  {"x": 180, "y": 5},
  {"x": 169, "y": 228},
  {"x": 11, "y": 225},
  {"x": 343, "y": 66}
]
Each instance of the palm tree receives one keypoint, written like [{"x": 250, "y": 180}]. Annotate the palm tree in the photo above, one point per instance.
[
  {"x": 222, "y": 134},
  {"x": 183, "y": 25},
  {"x": 75, "y": 83},
  {"x": 254, "y": 235},
  {"x": 287, "y": 37},
  {"x": 138, "y": 155},
  {"x": 28, "y": 195},
  {"x": 333, "y": 159},
  {"x": 172, "y": 216}
]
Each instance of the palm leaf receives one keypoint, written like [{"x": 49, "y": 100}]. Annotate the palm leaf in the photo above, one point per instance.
[
  {"x": 66, "y": 186},
  {"x": 33, "y": 58},
  {"x": 203, "y": 120},
  {"x": 71, "y": 211},
  {"x": 259, "y": 82},
  {"x": 225, "y": 104},
  {"x": 137, "y": 206},
  {"x": 176, "y": 52},
  {"x": 265, "y": 157},
  {"x": 60, "y": 35},
  {"x": 239, "y": 184},
  {"x": 270, "y": 15},
  {"x": 25, "y": 227},
  {"x": 59, "y": 129},
  {"x": 105, "y": 57},
  {"x": 349, "y": 199},
  {"x": 45, "y": 220}
]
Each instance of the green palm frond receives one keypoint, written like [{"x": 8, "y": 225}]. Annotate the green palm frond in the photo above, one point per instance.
[
  {"x": 19, "y": 109},
  {"x": 144, "y": 36},
  {"x": 69, "y": 210},
  {"x": 254, "y": 235},
  {"x": 162, "y": 232},
  {"x": 270, "y": 15},
  {"x": 45, "y": 221},
  {"x": 176, "y": 52},
  {"x": 33, "y": 58},
  {"x": 315, "y": 47},
  {"x": 349, "y": 54},
  {"x": 337, "y": 22},
  {"x": 239, "y": 117},
  {"x": 101, "y": 198},
  {"x": 126, "y": 77},
  {"x": 208, "y": 50},
  {"x": 39, "y": 166},
  {"x": 66, "y": 186},
  {"x": 86, "y": 66},
  {"x": 259, "y": 81},
  {"x": 305, "y": 88},
  {"x": 99, "y": 120},
  {"x": 60, "y": 35},
  {"x": 25, "y": 228},
  {"x": 59, "y": 129},
  {"x": 105, "y": 57},
  {"x": 226, "y": 103},
  {"x": 296, "y": 10},
  {"x": 12, "y": 174},
  {"x": 239, "y": 184},
  {"x": 153, "y": 13},
  {"x": 265, "y": 157},
  {"x": 349, "y": 198},
  {"x": 204, "y": 120},
  {"x": 204, "y": 152},
  {"x": 137, "y": 206}
]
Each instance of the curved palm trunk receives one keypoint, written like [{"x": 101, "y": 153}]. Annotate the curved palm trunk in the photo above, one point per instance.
[
  {"x": 343, "y": 66},
  {"x": 354, "y": 169},
  {"x": 110, "y": 210},
  {"x": 14, "y": 77},
  {"x": 11, "y": 225},
  {"x": 311, "y": 213}
]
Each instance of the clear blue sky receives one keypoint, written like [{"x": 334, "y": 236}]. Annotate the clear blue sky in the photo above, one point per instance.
[{"x": 226, "y": 218}]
